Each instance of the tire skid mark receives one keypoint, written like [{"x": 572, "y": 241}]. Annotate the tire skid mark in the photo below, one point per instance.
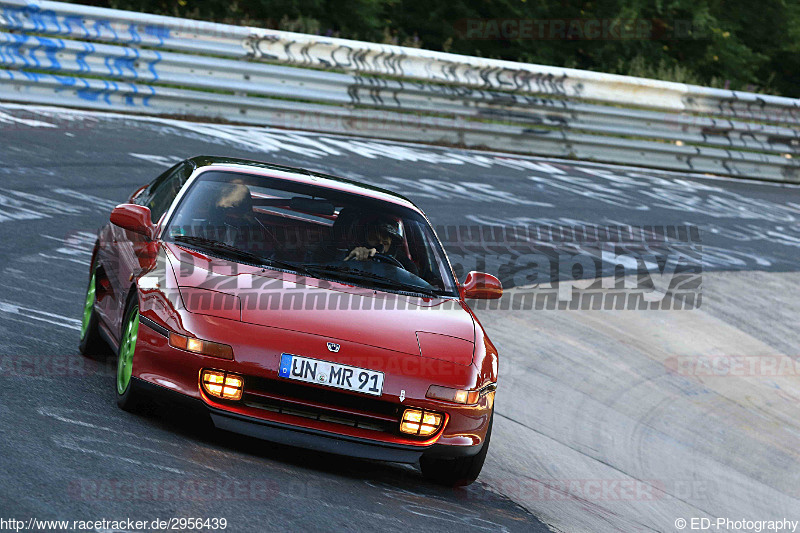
[
  {"x": 73, "y": 443},
  {"x": 64, "y": 415},
  {"x": 603, "y": 462},
  {"x": 49, "y": 287},
  {"x": 415, "y": 503}
]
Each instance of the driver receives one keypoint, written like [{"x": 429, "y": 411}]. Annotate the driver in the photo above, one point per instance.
[
  {"x": 381, "y": 236},
  {"x": 235, "y": 220}
]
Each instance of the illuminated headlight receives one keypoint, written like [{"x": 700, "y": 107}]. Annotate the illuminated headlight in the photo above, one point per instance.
[
  {"x": 190, "y": 344},
  {"x": 466, "y": 397},
  {"x": 223, "y": 385},
  {"x": 419, "y": 422}
]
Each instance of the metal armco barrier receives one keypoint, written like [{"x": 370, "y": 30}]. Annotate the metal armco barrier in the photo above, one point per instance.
[{"x": 96, "y": 58}]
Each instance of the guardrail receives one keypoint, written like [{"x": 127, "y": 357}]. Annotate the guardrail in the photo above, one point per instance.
[{"x": 88, "y": 57}]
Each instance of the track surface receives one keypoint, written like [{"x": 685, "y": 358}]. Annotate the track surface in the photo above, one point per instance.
[{"x": 587, "y": 399}]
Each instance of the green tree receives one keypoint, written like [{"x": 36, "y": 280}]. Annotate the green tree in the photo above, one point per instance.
[{"x": 737, "y": 44}]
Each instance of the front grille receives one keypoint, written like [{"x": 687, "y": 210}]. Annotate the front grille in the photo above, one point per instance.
[
  {"x": 314, "y": 413},
  {"x": 320, "y": 404}
]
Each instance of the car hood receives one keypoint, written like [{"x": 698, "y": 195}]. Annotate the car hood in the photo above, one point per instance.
[{"x": 328, "y": 309}]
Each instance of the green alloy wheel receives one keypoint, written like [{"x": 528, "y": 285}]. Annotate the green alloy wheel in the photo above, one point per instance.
[
  {"x": 88, "y": 306},
  {"x": 91, "y": 343},
  {"x": 126, "y": 349},
  {"x": 128, "y": 395}
]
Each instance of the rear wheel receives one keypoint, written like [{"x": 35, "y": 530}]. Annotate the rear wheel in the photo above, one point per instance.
[
  {"x": 91, "y": 344},
  {"x": 129, "y": 397},
  {"x": 456, "y": 472}
]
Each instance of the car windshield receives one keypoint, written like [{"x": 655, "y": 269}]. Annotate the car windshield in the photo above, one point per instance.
[{"x": 312, "y": 230}]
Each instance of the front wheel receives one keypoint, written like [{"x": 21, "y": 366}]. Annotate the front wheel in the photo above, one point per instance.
[
  {"x": 128, "y": 396},
  {"x": 457, "y": 472}
]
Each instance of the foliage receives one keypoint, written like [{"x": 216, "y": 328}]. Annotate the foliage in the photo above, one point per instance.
[{"x": 738, "y": 44}]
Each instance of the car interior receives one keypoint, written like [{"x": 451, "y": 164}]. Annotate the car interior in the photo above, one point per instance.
[{"x": 286, "y": 226}]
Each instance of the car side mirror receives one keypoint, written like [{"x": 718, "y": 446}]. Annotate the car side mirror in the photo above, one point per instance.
[
  {"x": 135, "y": 218},
  {"x": 481, "y": 286}
]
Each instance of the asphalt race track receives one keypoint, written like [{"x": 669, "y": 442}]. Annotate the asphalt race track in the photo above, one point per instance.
[{"x": 605, "y": 421}]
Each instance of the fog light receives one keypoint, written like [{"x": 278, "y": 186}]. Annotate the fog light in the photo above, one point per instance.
[
  {"x": 223, "y": 385},
  {"x": 419, "y": 422},
  {"x": 190, "y": 344}
]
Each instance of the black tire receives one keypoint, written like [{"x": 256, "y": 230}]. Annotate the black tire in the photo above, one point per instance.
[
  {"x": 92, "y": 344},
  {"x": 457, "y": 472},
  {"x": 131, "y": 399}
]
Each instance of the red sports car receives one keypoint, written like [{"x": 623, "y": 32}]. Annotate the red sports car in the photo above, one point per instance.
[{"x": 296, "y": 307}]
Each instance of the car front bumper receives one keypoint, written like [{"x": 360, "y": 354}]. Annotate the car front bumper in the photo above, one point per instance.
[
  {"x": 162, "y": 368},
  {"x": 307, "y": 438}
]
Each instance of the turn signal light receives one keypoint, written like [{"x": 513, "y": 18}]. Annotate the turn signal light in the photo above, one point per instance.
[
  {"x": 419, "y": 422},
  {"x": 223, "y": 385},
  {"x": 190, "y": 344},
  {"x": 466, "y": 397}
]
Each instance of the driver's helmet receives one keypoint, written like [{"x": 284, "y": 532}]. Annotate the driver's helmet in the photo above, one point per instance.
[{"x": 390, "y": 227}]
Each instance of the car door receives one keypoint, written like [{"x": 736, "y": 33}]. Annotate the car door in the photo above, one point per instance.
[{"x": 131, "y": 251}]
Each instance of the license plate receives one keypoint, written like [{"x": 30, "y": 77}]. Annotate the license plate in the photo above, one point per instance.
[{"x": 331, "y": 374}]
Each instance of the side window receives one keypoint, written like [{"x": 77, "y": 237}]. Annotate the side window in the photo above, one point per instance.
[
  {"x": 143, "y": 198},
  {"x": 165, "y": 188}
]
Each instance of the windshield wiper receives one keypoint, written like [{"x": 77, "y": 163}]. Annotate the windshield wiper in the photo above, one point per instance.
[
  {"x": 250, "y": 257},
  {"x": 361, "y": 274}
]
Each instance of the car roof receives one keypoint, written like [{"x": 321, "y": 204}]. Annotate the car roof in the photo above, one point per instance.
[{"x": 301, "y": 175}]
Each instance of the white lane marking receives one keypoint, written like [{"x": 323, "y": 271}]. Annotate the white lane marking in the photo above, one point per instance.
[{"x": 41, "y": 316}]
